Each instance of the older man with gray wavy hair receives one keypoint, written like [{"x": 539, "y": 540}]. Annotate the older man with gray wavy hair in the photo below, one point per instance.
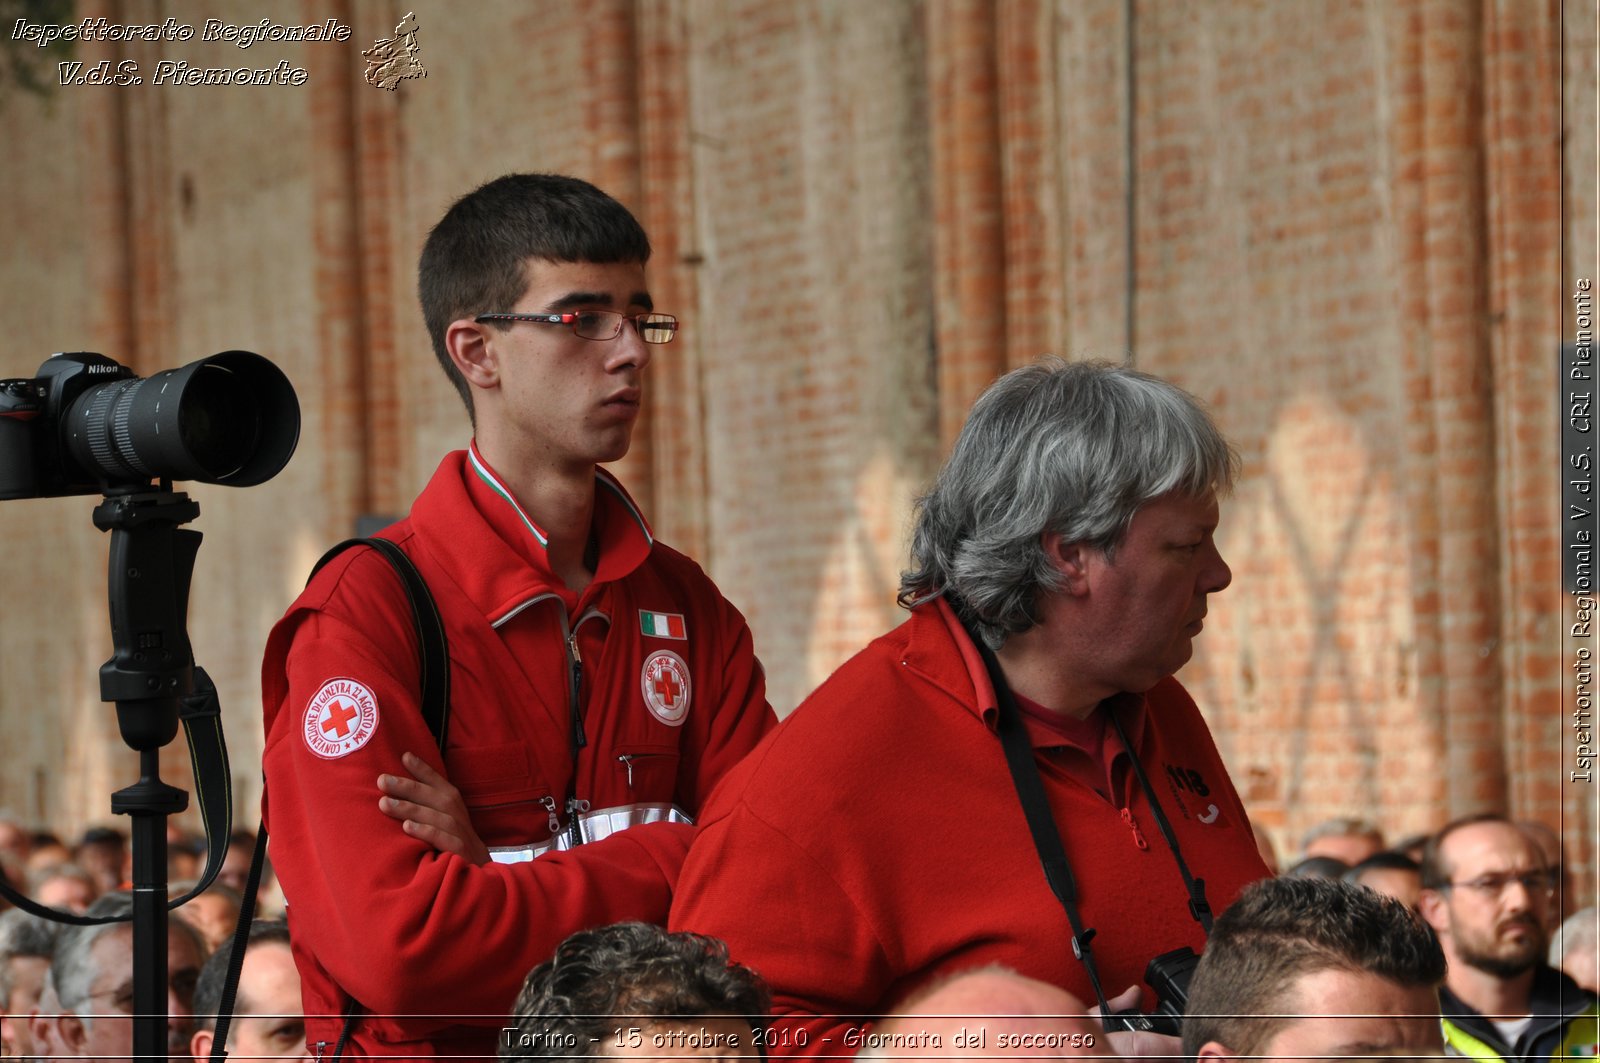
[{"x": 1012, "y": 776}]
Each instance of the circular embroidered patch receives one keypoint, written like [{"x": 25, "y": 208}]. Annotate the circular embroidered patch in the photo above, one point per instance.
[
  {"x": 665, "y": 682},
  {"x": 340, "y": 718}
]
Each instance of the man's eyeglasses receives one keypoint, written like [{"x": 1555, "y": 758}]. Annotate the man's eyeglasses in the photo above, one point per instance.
[
  {"x": 181, "y": 982},
  {"x": 600, "y": 324},
  {"x": 1537, "y": 883}
]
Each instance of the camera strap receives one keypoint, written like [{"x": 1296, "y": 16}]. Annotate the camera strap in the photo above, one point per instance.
[
  {"x": 1199, "y": 907},
  {"x": 434, "y": 660},
  {"x": 201, "y": 716},
  {"x": 1042, "y": 825},
  {"x": 1041, "y": 822}
]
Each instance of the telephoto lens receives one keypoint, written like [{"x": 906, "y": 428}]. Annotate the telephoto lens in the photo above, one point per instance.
[{"x": 229, "y": 419}]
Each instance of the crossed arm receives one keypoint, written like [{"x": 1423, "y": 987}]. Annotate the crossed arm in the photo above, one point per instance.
[{"x": 431, "y": 810}]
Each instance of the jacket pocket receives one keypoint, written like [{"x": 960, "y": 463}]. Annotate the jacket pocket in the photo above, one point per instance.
[
  {"x": 508, "y": 805},
  {"x": 649, "y": 772}
]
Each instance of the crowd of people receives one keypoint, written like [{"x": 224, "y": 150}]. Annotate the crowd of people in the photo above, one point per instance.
[
  {"x": 521, "y": 772},
  {"x": 1472, "y": 948}
]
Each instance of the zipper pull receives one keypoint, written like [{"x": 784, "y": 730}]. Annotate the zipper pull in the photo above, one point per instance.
[
  {"x": 575, "y": 811},
  {"x": 549, "y": 804},
  {"x": 579, "y": 739},
  {"x": 320, "y": 1046},
  {"x": 1133, "y": 825},
  {"x": 627, "y": 762}
]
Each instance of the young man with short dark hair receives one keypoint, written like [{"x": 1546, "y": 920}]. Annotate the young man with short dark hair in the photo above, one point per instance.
[
  {"x": 599, "y": 682},
  {"x": 266, "y": 1022},
  {"x": 1315, "y": 967},
  {"x": 633, "y": 990}
]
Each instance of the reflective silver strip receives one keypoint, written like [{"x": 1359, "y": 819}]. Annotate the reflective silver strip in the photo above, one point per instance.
[{"x": 596, "y": 825}]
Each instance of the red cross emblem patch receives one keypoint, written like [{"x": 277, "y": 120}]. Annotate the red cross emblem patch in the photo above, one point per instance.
[
  {"x": 340, "y": 718},
  {"x": 665, "y": 682}
]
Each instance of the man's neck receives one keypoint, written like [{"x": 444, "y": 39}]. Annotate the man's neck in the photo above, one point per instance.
[
  {"x": 1033, "y": 665},
  {"x": 561, "y": 502},
  {"x": 1489, "y": 994}
]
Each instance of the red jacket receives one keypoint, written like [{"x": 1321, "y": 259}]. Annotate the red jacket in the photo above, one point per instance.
[
  {"x": 875, "y": 842},
  {"x": 433, "y": 948}
]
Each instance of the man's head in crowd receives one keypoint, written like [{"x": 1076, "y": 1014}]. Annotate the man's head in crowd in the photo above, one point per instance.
[
  {"x": 235, "y": 870},
  {"x": 1391, "y": 874},
  {"x": 1116, "y": 585},
  {"x": 103, "y": 852},
  {"x": 1350, "y": 840},
  {"x": 92, "y": 980},
  {"x": 186, "y": 852},
  {"x": 64, "y": 886},
  {"x": 26, "y": 944},
  {"x": 46, "y": 850},
  {"x": 1318, "y": 867},
  {"x": 1575, "y": 948},
  {"x": 1315, "y": 967},
  {"x": 1485, "y": 891},
  {"x": 1013, "y": 1014},
  {"x": 215, "y": 913},
  {"x": 634, "y": 990},
  {"x": 267, "y": 1019}
]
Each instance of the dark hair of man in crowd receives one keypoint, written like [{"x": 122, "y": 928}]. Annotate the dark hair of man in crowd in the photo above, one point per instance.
[
  {"x": 208, "y": 989},
  {"x": 1435, "y": 875},
  {"x": 632, "y": 971},
  {"x": 1318, "y": 867},
  {"x": 1388, "y": 860},
  {"x": 1281, "y": 929},
  {"x": 474, "y": 259}
]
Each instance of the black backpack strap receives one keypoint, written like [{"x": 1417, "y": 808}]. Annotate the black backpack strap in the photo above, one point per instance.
[
  {"x": 435, "y": 699},
  {"x": 434, "y": 653},
  {"x": 240, "y": 939}
]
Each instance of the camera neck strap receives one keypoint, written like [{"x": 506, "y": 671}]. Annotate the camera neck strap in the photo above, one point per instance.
[
  {"x": 1199, "y": 907},
  {"x": 1042, "y": 825},
  {"x": 201, "y": 716}
]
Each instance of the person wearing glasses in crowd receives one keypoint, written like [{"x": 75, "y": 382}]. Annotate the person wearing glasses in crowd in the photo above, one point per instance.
[
  {"x": 599, "y": 682},
  {"x": 87, "y": 1007},
  {"x": 1486, "y": 888}
]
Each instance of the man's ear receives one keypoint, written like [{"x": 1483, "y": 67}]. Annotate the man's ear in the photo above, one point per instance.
[
  {"x": 69, "y": 1033},
  {"x": 200, "y": 1045},
  {"x": 1431, "y": 906},
  {"x": 470, "y": 348},
  {"x": 1071, "y": 560},
  {"x": 1214, "y": 1050}
]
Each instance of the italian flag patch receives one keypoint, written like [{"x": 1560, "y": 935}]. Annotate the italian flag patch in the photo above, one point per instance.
[{"x": 662, "y": 625}]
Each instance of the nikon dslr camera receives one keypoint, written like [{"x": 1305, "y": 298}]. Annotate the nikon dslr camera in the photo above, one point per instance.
[{"x": 88, "y": 424}]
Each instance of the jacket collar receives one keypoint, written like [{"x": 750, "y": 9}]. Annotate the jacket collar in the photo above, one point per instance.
[
  {"x": 934, "y": 630},
  {"x": 1553, "y": 1000},
  {"x": 478, "y": 532}
]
